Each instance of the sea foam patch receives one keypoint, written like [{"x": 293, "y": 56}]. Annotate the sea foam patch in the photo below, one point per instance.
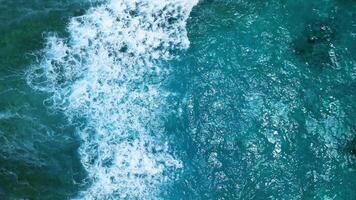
[{"x": 107, "y": 76}]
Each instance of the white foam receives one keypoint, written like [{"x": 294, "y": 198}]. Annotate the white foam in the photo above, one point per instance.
[{"x": 107, "y": 74}]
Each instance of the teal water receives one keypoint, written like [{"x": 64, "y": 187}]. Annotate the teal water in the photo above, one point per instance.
[{"x": 262, "y": 105}]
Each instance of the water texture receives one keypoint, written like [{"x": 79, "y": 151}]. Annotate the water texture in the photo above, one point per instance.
[{"x": 177, "y": 99}]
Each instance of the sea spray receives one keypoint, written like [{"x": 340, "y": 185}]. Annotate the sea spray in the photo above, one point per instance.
[{"x": 106, "y": 77}]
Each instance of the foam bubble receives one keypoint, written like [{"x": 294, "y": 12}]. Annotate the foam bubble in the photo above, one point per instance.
[{"x": 107, "y": 75}]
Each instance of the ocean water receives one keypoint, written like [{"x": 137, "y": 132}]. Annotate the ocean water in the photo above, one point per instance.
[{"x": 177, "y": 99}]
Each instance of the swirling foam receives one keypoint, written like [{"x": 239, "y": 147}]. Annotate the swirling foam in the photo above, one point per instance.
[{"x": 107, "y": 75}]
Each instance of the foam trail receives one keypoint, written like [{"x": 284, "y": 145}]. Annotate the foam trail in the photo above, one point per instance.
[{"x": 107, "y": 76}]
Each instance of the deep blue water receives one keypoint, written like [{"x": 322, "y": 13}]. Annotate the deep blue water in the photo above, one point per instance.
[{"x": 109, "y": 100}]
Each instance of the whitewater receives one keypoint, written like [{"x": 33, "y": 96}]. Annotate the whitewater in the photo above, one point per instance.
[{"x": 106, "y": 77}]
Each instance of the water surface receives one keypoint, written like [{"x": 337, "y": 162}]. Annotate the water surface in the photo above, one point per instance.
[{"x": 260, "y": 105}]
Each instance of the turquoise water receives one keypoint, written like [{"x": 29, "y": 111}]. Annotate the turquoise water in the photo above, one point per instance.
[{"x": 260, "y": 105}]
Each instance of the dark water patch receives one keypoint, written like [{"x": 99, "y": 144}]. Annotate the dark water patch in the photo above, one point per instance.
[
  {"x": 351, "y": 147},
  {"x": 38, "y": 156},
  {"x": 37, "y": 163},
  {"x": 315, "y": 43},
  {"x": 319, "y": 42},
  {"x": 24, "y": 23}
]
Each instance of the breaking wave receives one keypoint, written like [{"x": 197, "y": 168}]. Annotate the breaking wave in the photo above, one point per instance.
[{"x": 106, "y": 77}]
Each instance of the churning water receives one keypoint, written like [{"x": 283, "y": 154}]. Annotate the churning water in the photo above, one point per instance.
[{"x": 107, "y": 74}]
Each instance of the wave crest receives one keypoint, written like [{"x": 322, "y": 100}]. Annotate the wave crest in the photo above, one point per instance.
[{"x": 107, "y": 74}]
